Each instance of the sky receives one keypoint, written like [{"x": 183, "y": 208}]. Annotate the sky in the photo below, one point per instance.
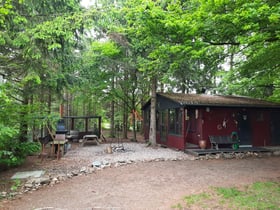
[{"x": 87, "y": 3}]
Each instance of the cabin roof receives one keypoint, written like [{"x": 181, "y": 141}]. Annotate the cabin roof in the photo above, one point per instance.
[{"x": 218, "y": 100}]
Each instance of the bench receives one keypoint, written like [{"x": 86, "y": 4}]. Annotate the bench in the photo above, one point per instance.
[{"x": 225, "y": 140}]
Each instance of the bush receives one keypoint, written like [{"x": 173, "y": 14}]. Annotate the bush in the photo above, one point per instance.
[
  {"x": 13, "y": 152},
  {"x": 24, "y": 149}
]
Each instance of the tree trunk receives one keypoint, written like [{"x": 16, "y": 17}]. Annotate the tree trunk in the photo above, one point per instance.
[
  {"x": 23, "y": 130},
  {"x": 152, "y": 133},
  {"x": 49, "y": 101},
  {"x": 112, "y": 117},
  {"x": 112, "y": 120},
  {"x": 134, "y": 125},
  {"x": 125, "y": 119},
  {"x": 133, "y": 119}
]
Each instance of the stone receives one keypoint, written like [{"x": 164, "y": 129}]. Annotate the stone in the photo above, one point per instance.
[
  {"x": 106, "y": 163},
  {"x": 42, "y": 180},
  {"x": 28, "y": 185},
  {"x": 83, "y": 170},
  {"x": 55, "y": 180},
  {"x": 69, "y": 175},
  {"x": 90, "y": 170},
  {"x": 75, "y": 173},
  {"x": 26, "y": 174},
  {"x": 276, "y": 153},
  {"x": 4, "y": 194},
  {"x": 239, "y": 155},
  {"x": 61, "y": 177},
  {"x": 96, "y": 164},
  {"x": 117, "y": 165}
]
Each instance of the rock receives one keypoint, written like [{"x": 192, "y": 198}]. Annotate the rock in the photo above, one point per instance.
[
  {"x": 90, "y": 170},
  {"x": 75, "y": 173},
  {"x": 228, "y": 155},
  {"x": 28, "y": 185},
  {"x": 106, "y": 163},
  {"x": 4, "y": 194},
  {"x": 116, "y": 165},
  {"x": 268, "y": 154},
  {"x": 42, "y": 180},
  {"x": 83, "y": 170},
  {"x": 194, "y": 158},
  {"x": 13, "y": 194},
  {"x": 54, "y": 180},
  {"x": 239, "y": 155},
  {"x": 61, "y": 177},
  {"x": 96, "y": 164},
  {"x": 69, "y": 175},
  {"x": 276, "y": 153}
]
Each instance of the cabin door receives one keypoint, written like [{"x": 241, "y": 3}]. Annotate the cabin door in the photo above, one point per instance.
[
  {"x": 244, "y": 129},
  {"x": 275, "y": 128}
]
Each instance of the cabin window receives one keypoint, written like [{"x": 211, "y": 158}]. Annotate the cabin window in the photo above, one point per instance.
[{"x": 175, "y": 121}]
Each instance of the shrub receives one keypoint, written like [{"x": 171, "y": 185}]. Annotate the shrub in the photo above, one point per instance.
[{"x": 12, "y": 151}]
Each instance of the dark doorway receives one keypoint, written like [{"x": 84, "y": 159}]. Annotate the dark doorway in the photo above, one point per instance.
[
  {"x": 275, "y": 128},
  {"x": 244, "y": 129}
]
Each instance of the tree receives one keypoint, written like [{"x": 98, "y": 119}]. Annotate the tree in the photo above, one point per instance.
[
  {"x": 37, "y": 41},
  {"x": 252, "y": 30},
  {"x": 37, "y": 51}
]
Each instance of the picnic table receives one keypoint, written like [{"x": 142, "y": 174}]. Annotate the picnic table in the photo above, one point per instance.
[{"x": 90, "y": 137}]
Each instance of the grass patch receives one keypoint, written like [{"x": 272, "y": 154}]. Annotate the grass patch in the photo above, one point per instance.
[
  {"x": 196, "y": 199},
  {"x": 260, "y": 195}
]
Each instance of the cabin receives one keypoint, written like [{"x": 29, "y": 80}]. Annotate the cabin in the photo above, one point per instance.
[{"x": 185, "y": 119}]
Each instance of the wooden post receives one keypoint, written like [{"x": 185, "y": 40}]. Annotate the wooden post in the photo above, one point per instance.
[{"x": 61, "y": 110}]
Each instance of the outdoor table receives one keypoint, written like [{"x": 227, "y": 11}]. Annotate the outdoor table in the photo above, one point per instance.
[{"x": 89, "y": 137}]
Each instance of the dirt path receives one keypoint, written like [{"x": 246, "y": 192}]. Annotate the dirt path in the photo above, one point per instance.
[{"x": 152, "y": 185}]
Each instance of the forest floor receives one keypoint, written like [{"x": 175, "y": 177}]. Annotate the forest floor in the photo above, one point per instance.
[{"x": 149, "y": 184}]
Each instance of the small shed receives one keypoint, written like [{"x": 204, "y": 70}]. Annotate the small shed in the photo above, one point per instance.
[{"x": 185, "y": 119}]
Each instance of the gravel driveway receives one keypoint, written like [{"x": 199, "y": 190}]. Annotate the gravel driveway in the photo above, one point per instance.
[{"x": 148, "y": 184}]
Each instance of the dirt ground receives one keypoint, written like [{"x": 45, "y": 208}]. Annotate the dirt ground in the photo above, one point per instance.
[{"x": 149, "y": 185}]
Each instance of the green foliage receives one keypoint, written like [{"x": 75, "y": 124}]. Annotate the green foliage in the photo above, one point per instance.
[
  {"x": 16, "y": 185},
  {"x": 249, "y": 32},
  {"x": 46, "y": 54},
  {"x": 7, "y": 156},
  {"x": 13, "y": 152}
]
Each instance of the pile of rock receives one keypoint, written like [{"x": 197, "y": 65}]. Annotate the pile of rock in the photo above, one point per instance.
[{"x": 237, "y": 155}]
